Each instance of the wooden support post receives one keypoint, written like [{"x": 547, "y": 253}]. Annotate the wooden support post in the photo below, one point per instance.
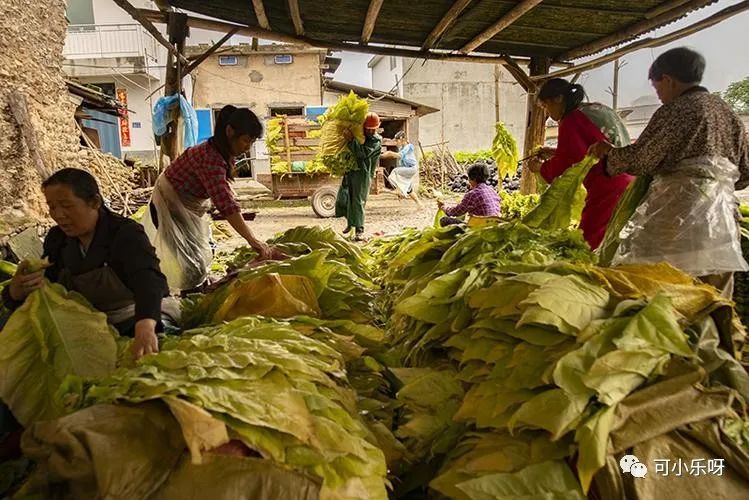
[
  {"x": 177, "y": 29},
  {"x": 288, "y": 142},
  {"x": 148, "y": 25},
  {"x": 19, "y": 109},
  {"x": 535, "y": 129}
]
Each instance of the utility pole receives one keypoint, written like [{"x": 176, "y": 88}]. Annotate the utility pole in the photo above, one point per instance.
[
  {"x": 497, "y": 75},
  {"x": 614, "y": 90}
]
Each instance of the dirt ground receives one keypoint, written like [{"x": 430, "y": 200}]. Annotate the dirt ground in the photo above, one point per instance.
[{"x": 385, "y": 215}]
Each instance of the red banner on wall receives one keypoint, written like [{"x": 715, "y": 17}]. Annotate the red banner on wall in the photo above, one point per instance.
[{"x": 124, "y": 119}]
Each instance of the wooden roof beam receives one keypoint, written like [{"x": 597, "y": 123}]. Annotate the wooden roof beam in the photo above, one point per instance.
[
  {"x": 664, "y": 7},
  {"x": 447, "y": 20},
  {"x": 212, "y": 25},
  {"x": 651, "y": 42},
  {"x": 520, "y": 75},
  {"x": 369, "y": 22},
  {"x": 262, "y": 18},
  {"x": 296, "y": 17},
  {"x": 148, "y": 25},
  {"x": 634, "y": 30},
  {"x": 513, "y": 15}
]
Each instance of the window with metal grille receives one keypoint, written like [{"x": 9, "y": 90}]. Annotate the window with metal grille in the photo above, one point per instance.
[
  {"x": 227, "y": 60},
  {"x": 283, "y": 59}
]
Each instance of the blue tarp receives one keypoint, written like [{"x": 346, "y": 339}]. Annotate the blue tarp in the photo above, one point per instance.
[{"x": 164, "y": 113}]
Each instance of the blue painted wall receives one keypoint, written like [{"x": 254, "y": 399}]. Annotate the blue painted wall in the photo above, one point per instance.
[{"x": 109, "y": 132}]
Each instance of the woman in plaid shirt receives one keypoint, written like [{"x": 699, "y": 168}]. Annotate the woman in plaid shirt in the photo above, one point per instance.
[
  {"x": 482, "y": 200},
  {"x": 177, "y": 222}
]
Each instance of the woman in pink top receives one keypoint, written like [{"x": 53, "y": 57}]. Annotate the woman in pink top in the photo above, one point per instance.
[{"x": 580, "y": 126}]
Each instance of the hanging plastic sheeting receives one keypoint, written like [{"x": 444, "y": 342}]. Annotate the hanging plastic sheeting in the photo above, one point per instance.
[
  {"x": 180, "y": 230},
  {"x": 688, "y": 219},
  {"x": 165, "y": 112},
  {"x": 403, "y": 176}
]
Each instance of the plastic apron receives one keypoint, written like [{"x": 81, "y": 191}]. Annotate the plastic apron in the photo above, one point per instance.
[
  {"x": 181, "y": 234},
  {"x": 687, "y": 218}
]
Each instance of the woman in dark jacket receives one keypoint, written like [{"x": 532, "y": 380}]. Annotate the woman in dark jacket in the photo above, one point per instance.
[{"x": 105, "y": 257}]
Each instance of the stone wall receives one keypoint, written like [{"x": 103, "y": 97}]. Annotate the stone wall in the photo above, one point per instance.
[{"x": 32, "y": 35}]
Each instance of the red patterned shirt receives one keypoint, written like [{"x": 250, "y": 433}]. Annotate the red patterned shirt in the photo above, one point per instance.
[
  {"x": 482, "y": 200},
  {"x": 201, "y": 172}
]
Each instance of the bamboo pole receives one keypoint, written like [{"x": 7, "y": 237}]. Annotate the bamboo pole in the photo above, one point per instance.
[
  {"x": 633, "y": 30},
  {"x": 506, "y": 20}
]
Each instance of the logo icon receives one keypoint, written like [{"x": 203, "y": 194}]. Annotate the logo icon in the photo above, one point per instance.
[{"x": 630, "y": 464}]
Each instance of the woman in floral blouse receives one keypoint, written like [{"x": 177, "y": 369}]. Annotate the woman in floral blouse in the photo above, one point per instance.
[
  {"x": 695, "y": 149},
  {"x": 580, "y": 126}
]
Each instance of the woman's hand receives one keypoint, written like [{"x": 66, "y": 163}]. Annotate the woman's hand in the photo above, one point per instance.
[
  {"x": 145, "y": 338},
  {"x": 263, "y": 250},
  {"x": 347, "y": 134},
  {"x": 277, "y": 254},
  {"x": 546, "y": 152},
  {"x": 600, "y": 149},
  {"x": 534, "y": 164},
  {"x": 23, "y": 282}
]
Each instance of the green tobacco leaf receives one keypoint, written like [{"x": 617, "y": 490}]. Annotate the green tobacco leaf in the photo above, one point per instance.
[
  {"x": 626, "y": 206},
  {"x": 573, "y": 299},
  {"x": 656, "y": 326},
  {"x": 554, "y": 410},
  {"x": 616, "y": 374},
  {"x": 552, "y": 480},
  {"x": 53, "y": 335},
  {"x": 593, "y": 439},
  {"x": 562, "y": 203},
  {"x": 573, "y": 366}
]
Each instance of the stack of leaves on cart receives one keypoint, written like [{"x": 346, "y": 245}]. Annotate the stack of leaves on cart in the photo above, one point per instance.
[{"x": 274, "y": 143}]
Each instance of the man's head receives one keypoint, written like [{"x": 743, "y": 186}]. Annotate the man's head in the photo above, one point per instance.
[
  {"x": 371, "y": 124},
  {"x": 675, "y": 71},
  {"x": 478, "y": 173}
]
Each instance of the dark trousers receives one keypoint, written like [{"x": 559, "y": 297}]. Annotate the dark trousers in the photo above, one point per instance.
[{"x": 450, "y": 221}]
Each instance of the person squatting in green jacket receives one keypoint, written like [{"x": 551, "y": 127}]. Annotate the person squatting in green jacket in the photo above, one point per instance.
[{"x": 352, "y": 195}]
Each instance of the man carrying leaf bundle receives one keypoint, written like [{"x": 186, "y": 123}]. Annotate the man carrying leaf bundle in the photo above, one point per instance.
[
  {"x": 696, "y": 151},
  {"x": 352, "y": 196}
]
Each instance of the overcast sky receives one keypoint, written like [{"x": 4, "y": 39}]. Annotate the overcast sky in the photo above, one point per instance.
[{"x": 725, "y": 46}]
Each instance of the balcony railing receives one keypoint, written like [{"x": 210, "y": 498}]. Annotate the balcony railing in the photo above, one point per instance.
[{"x": 93, "y": 41}]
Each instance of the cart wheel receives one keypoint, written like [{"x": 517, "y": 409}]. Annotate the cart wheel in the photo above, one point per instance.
[{"x": 323, "y": 201}]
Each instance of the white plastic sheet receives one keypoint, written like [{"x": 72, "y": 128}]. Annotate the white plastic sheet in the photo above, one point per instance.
[
  {"x": 688, "y": 218},
  {"x": 181, "y": 235}
]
